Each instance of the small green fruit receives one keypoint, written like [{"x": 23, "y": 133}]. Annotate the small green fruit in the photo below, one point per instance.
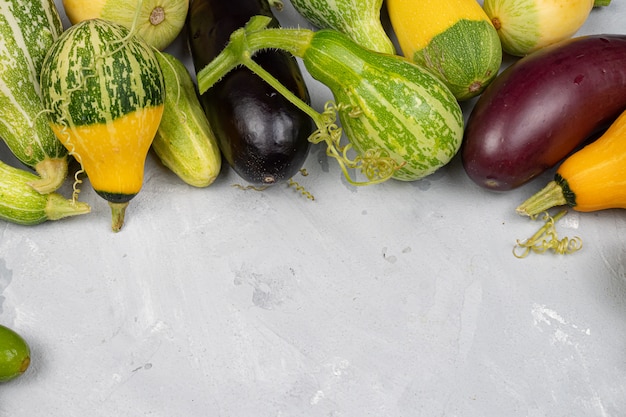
[{"x": 14, "y": 354}]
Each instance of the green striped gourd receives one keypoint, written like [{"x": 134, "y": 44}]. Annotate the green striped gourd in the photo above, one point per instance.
[
  {"x": 359, "y": 19},
  {"x": 388, "y": 103},
  {"x": 27, "y": 31},
  {"x": 104, "y": 93},
  {"x": 385, "y": 102},
  {"x": 21, "y": 204}
]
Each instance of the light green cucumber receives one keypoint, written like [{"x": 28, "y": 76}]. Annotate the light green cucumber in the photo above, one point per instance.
[
  {"x": 21, "y": 204},
  {"x": 388, "y": 106},
  {"x": 27, "y": 31},
  {"x": 359, "y": 19},
  {"x": 185, "y": 142}
]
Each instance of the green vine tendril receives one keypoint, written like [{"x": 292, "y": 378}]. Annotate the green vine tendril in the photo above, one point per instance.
[
  {"x": 375, "y": 164},
  {"x": 299, "y": 188}
]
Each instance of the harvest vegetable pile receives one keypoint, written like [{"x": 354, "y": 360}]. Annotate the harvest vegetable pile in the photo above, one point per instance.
[{"x": 103, "y": 93}]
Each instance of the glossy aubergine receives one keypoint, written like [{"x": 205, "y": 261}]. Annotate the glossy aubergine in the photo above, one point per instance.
[
  {"x": 542, "y": 107},
  {"x": 262, "y": 136}
]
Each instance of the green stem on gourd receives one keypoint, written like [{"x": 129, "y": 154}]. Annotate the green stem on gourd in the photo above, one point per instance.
[
  {"x": 255, "y": 36},
  {"x": 601, "y": 3},
  {"x": 247, "y": 41},
  {"x": 118, "y": 212}
]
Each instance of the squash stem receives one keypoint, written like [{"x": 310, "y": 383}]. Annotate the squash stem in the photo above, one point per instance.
[
  {"x": 118, "y": 211},
  {"x": 551, "y": 195},
  {"x": 247, "y": 41},
  {"x": 58, "y": 207},
  {"x": 278, "y": 86},
  {"x": 601, "y": 3},
  {"x": 52, "y": 172}
]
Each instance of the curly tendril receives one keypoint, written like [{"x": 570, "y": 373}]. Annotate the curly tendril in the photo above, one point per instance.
[
  {"x": 375, "y": 164},
  {"x": 546, "y": 238},
  {"x": 290, "y": 183},
  {"x": 299, "y": 188}
]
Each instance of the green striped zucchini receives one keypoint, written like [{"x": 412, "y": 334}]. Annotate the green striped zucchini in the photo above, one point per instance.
[
  {"x": 21, "y": 204},
  {"x": 388, "y": 103},
  {"x": 359, "y": 19},
  {"x": 27, "y": 31},
  {"x": 104, "y": 93},
  {"x": 185, "y": 142}
]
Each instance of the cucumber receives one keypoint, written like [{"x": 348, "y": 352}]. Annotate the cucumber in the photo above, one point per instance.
[
  {"x": 455, "y": 39},
  {"x": 359, "y": 19},
  {"x": 21, "y": 204},
  {"x": 104, "y": 93},
  {"x": 185, "y": 142},
  {"x": 27, "y": 31},
  {"x": 14, "y": 354}
]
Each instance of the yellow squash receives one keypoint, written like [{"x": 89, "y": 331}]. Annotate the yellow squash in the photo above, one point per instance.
[
  {"x": 591, "y": 179},
  {"x": 454, "y": 38}
]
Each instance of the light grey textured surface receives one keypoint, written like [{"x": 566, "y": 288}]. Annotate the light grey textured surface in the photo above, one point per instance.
[{"x": 395, "y": 300}]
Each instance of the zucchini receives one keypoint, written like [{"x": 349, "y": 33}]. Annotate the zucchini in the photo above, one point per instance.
[
  {"x": 103, "y": 91},
  {"x": 27, "y": 31},
  {"x": 402, "y": 120},
  {"x": 455, "y": 39},
  {"x": 359, "y": 19},
  {"x": 21, "y": 204},
  {"x": 185, "y": 142}
]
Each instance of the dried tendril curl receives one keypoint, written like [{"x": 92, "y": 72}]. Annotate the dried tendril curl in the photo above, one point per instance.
[{"x": 546, "y": 238}]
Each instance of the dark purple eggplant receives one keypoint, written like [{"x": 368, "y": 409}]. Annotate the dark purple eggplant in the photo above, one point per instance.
[
  {"x": 542, "y": 107},
  {"x": 262, "y": 135}
]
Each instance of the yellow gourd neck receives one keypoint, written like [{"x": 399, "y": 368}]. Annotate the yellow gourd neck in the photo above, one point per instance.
[
  {"x": 597, "y": 173},
  {"x": 113, "y": 154}
]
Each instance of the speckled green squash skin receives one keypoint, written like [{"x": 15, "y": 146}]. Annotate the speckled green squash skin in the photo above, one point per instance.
[
  {"x": 359, "y": 19},
  {"x": 401, "y": 107},
  {"x": 27, "y": 31},
  {"x": 467, "y": 57},
  {"x": 82, "y": 91},
  {"x": 95, "y": 74}
]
